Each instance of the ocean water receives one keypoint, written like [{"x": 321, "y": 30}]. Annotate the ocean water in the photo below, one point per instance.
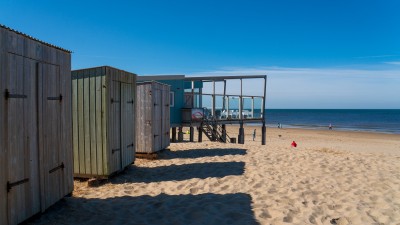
[{"x": 383, "y": 121}]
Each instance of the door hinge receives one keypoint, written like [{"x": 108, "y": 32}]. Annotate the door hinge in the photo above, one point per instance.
[
  {"x": 113, "y": 101},
  {"x": 7, "y": 95},
  {"x": 11, "y": 185},
  {"x": 57, "y": 168},
  {"x": 59, "y": 98},
  {"x": 130, "y": 102},
  {"x": 131, "y": 145},
  {"x": 115, "y": 150}
]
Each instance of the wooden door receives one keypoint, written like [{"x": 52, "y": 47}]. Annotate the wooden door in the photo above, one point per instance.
[
  {"x": 115, "y": 123},
  {"x": 146, "y": 138},
  {"x": 52, "y": 162},
  {"x": 21, "y": 139},
  {"x": 127, "y": 124},
  {"x": 157, "y": 126},
  {"x": 166, "y": 117}
]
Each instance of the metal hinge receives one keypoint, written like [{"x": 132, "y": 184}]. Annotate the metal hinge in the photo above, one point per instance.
[
  {"x": 7, "y": 95},
  {"x": 131, "y": 145},
  {"x": 130, "y": 102},
  {"x": 113, "y": 101},
  {"x": 11, "y": 185},
  {"x": 115, "y": 150},
  {"x": 59, "y": 98},
  {"x": 156, "y": 135},
  {"x": 57, "y": 168},
  {"x": 155, "y": 104}
]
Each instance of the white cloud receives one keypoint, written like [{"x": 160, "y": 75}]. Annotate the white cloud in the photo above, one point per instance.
[{"x": 393, "y": 63}]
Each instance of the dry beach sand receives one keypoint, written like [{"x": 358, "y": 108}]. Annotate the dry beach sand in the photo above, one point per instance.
[{"x": 332, "y": 177}]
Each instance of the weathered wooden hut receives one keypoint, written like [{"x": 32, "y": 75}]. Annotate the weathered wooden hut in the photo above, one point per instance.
[
  {"x": 103, "y": 108},
  {"x": 35, "y": 126},
  {"x": 153, "y": 117}
]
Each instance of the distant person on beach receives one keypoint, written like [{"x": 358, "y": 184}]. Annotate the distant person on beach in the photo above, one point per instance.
[
  {"x": 330, "y": 126},
  {"x": 254, "y": 134},
  {"x": 279, "y": 125}
]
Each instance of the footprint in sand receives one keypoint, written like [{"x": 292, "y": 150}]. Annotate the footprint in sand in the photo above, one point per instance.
[
  {"x": 265, "y": 214},
  {"x": 224, "y": 187},
  {"x": 258, "y": 185},
  {"x": 334, "y": 207},
  {"x": 288, "y": 218},
  {"x": 312, "y": 219}
]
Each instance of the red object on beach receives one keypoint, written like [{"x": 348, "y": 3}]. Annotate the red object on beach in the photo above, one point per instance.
[{"x": 294, "y": 144}]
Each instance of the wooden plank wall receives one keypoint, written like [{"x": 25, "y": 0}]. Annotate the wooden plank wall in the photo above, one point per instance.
[
  {"x": 166, "y": 117},
  {"x": 157, "y": 117},
  {"x": 101, "y": 121},
  {"x": 153, "y": 117},
  {"x": 88, "y": 123},
  {"x": 3, "y": 156},
  {"x": 122, "y": 135},
  {"x": 144, "y": 121},
  {"x": 21, "y": 126}
]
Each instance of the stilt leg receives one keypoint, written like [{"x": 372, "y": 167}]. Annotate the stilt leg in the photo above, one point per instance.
[
  {"x": 173, "y": 134},
  {"x": 263, "y": 134},
  {"x": 200, "y": 137},
  {"x": 191, "y": 134},
  {"x": 241, "y": 134}
]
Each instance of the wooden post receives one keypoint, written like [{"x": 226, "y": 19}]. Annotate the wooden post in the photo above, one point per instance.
[
  {"x": 180, "y": 134},
  {"x": 241, "y": 134},
  {"x": 263, "y": 131},
  {"x": 200, "y": 97},
  {"x": 223, "y": 102},
  {"x": 224, "y": 133},
  {"x": 213, "y": 100},
  {"x": 200, "y": 137},
  {"x": 263, "y": 134},
  {"x": 191, "y": 135},
  {"x": 227, "y": 107},
  {"x": 252, "y": 107},
  {"x": 174, "y": 134},
  {"x": 241, "y": 100},
  {"x": 214, "y": 132},
  {"x": 192, "y": 94}
]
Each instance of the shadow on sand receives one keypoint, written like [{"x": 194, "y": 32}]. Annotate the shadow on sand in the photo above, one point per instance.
[
  {"x": 179, "y": 172},
  {"x": 161, "y": 209},
  {"x": 199, "y": 153}
]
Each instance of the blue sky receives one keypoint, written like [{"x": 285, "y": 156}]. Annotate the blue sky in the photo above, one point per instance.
[{"x": 317, "y": 54}]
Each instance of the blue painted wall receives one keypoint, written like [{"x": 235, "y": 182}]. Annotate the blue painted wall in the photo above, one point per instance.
[{"x": 177, "y": 86}]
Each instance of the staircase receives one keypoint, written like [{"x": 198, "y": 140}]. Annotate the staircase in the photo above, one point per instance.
[{"x": 214, "y": 131}]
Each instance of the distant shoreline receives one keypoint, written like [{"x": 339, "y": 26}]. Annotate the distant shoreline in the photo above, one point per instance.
[{"x": 321, "y": 128}]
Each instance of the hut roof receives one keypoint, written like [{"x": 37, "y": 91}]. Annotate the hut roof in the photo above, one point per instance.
[{"x": 35, "y": 39}]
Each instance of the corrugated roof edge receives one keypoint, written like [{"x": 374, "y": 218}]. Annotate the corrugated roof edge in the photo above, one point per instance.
[
  {"x": 160, "y": 77},
  {"x": 35, "y": 39},
  {"x": 103, "y": 67}
]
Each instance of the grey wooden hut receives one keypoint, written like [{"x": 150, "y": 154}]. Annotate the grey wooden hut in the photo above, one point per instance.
[
  {"x": 35, "y": 126},
  {"x": 153, "y": 117},
  {"x": 103, "y": 108}
]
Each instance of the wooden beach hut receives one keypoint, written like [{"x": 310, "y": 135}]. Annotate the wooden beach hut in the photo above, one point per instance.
[
  {"x": 35, "y": 126},
  {"x": 153, "y": 117},
  {"x": 103, "y": 108}
]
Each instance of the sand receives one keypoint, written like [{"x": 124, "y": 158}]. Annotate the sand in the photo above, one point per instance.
[{"x": 331, "y": 177}]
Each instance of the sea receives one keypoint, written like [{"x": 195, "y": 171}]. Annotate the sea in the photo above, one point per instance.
[{"x": 369, "y": 120}]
